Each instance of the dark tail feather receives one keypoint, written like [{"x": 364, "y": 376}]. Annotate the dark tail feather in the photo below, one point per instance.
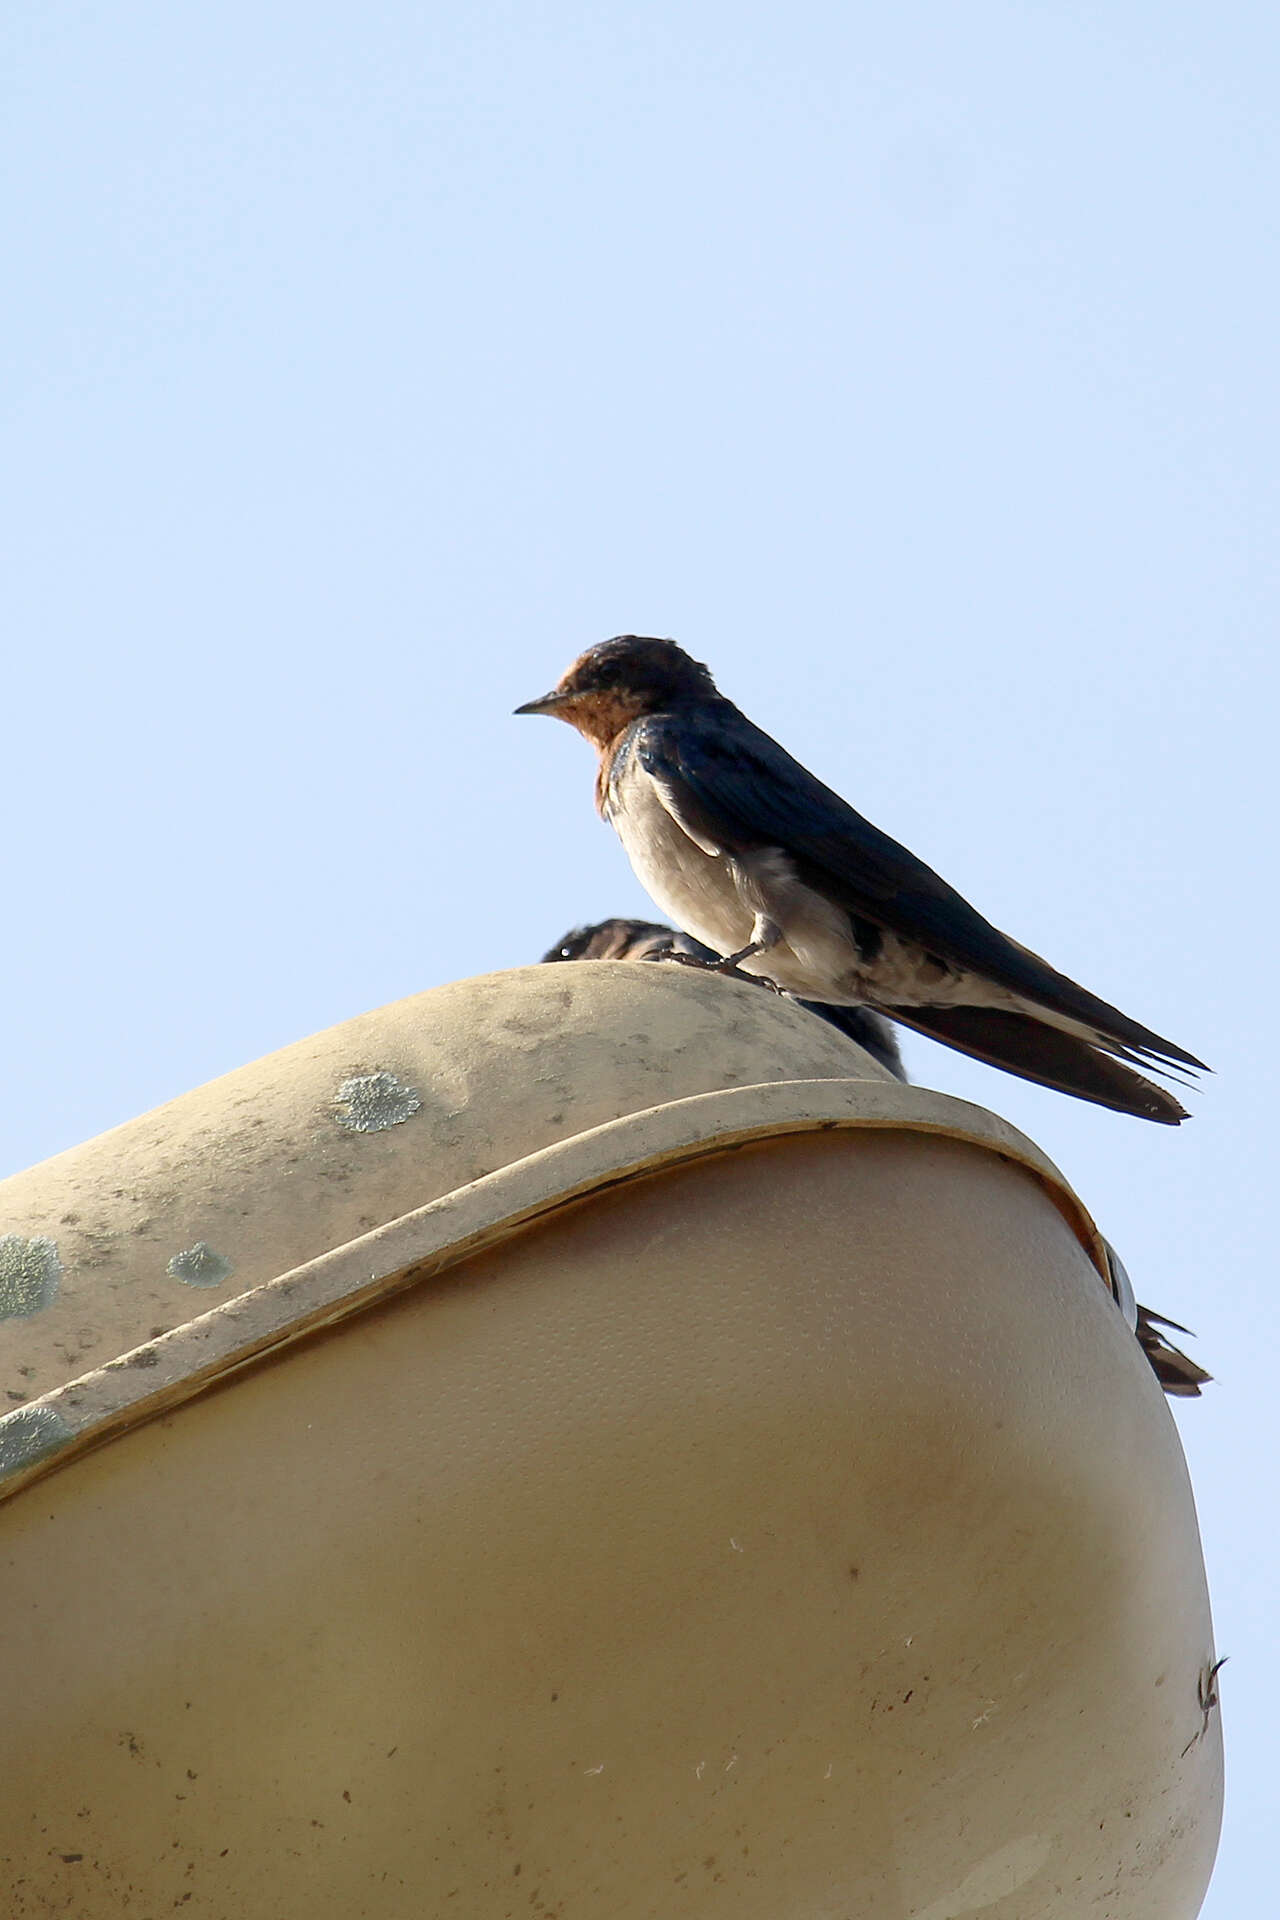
[
  {"x": 1061, "y": 995},
  {"x": 1175, "y": 1372},
  {"x": 1021, "y": 1044}
]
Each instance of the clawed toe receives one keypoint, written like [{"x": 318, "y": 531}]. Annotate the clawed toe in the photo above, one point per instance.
[
  {"x": 728, "y": 968},
  {"x": 683, "y": 959}
]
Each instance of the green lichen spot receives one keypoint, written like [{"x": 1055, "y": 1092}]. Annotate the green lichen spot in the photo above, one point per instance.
[
  {"x": 200, "y": 1266},
  {"x": 28, "y": 1434},
  {"x": 29, "y": 1274},
  {"x": 372, "y": 1101}
]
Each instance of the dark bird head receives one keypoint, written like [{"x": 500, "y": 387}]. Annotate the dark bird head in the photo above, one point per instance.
[
  {"x": 617, "y": 940},
  {"x": 621, "y": 680}
]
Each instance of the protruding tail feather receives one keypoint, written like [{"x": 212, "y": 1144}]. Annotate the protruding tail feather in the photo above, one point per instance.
[
  {"x": 1021, "y": 1044},
  {"x": 1059, "y": 994},
  {"x": 1176, "y": 1373}
]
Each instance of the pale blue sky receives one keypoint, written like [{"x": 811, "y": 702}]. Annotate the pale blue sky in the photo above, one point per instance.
[{"x": 915, "y": 366}]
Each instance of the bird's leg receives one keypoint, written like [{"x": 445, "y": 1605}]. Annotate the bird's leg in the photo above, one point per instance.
[
  {"x": 732, "y": 962},
  {"x": 764, "y": 934},
  {"x": 730, "y": 968}
]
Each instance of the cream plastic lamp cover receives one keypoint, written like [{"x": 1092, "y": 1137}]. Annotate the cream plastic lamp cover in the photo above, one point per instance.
[{"x": 567, "y": 1445}]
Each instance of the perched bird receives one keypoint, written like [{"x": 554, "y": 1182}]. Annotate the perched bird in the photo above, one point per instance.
[
  {"x": 646, "y": 940},
  {"x": 754, "y": 857}
]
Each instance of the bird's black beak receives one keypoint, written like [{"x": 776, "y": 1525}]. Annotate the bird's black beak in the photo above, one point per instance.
[{"x": 545, "y": 703}]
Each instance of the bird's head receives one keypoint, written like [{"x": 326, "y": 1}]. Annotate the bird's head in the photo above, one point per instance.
[
  {"x": 613, "y": 940},
  {"x": 621, "y": 680}
]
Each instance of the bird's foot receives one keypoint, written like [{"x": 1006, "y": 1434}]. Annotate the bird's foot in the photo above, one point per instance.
[{"x": 728, "y": 967}]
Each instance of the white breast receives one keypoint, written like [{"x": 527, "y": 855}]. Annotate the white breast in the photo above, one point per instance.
[{"x": 692, "y": 887}]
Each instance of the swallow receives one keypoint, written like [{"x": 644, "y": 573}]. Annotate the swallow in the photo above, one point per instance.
[
  {"x": 646, "y": 940},
  {"x": 1177, "y": 1373},
  {"x": 753, "y": 856}
]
